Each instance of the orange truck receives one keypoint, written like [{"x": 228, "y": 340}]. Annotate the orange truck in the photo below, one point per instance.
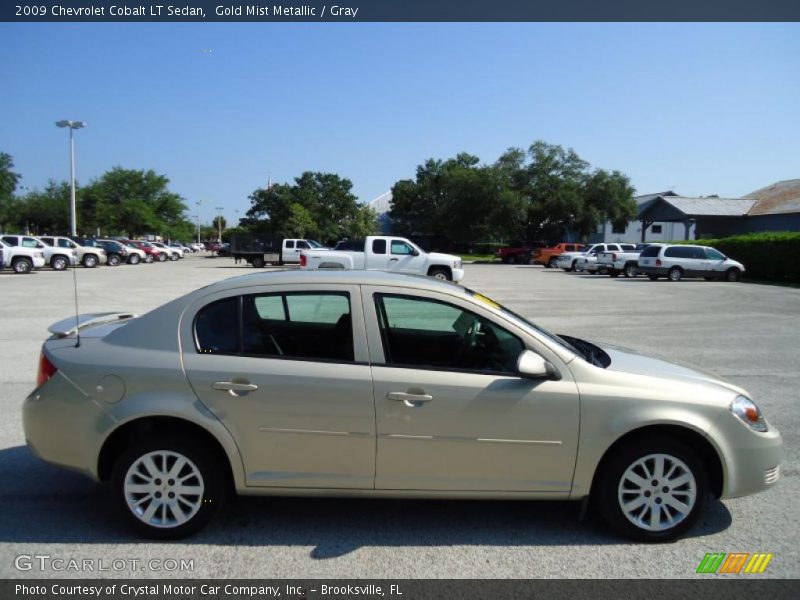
[{"x": 548, "y": 256}]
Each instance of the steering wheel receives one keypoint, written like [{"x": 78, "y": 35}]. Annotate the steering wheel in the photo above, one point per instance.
[{"x": 469, "y": 341}]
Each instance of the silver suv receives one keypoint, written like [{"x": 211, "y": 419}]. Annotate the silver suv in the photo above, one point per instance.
[
  {"x": 678, "y": 261},
  {"x": 88, "y": 256}
]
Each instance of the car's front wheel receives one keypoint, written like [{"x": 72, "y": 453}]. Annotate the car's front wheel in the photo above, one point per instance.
[
  {"x": 134, "y": 259},
  {"x": 551, "y": 264},
  {"x": 114, "y": 260},
  {"x": 442, "y": 274},
  {"x": 59, "y": 263},
  {"x": 90, "y": 261},
  {"x": 652, "y": 490},
  {"x": 733, "y": 274},
  {"x": 168, "y": 489},
  {"x": 22, "y": 266}
]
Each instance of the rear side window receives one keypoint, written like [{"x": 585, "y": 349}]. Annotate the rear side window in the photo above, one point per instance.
[
  {"x": 62, "y": 243},
  {"x": 650, "y": 251},
  {"x": 379, "y": 246},
  {"x": 11, "y": 241},
  {"x": 298, "y": 325},
  {"x": 685, "y": 252},
  {"x": 217, "y": 327}
]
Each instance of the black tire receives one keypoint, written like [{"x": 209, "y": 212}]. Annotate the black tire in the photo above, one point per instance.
[
  {"x": 511, "y": 259},
  {"x": 148, "y": 258},
  {"x": 258, "y": 262},
  {"x": 174, "y": 256},
  {"x": 90, "y": 261},
  {"x": 214, "y": 483},
  {"x": 134, "y": 259},
  {"x": 609, "y": 491},
  {"x": 551, "y": 264},
  {"x": 630, "y": 270},
  {"x": 22, "y": 266},
  {"x": 162, "y": 256},
  {"x": 674, "y": 274},
  {"x": 652, "y": 277},
  {"x": 114, "y": 260},
  {"x": 733, "y": 274},
  {"x": 59, "y": 263},
  {"x": 440, "y": 273}
]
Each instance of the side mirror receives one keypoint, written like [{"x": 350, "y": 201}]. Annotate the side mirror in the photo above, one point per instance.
[
  {"x": 534, "y": 366},
  {"x": 414, "y": 252}
]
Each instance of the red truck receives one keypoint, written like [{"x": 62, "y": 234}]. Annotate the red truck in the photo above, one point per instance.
[{"x": 518, "y": 252}]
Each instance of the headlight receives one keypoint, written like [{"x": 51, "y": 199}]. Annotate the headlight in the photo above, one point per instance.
[{"x": 748, "y": 413}]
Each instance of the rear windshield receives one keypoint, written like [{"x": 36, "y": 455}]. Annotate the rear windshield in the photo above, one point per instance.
[{"x": 651, "y": 251}]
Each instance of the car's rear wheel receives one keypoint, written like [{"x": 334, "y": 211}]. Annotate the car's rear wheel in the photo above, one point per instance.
[
  {"x": 59, "y": 263},
  {"x": 652, "y": 490},
  {"x": 258, "y": 262},
  {"x": 89, "y": 261},
  {"x": 22, "y": 265},
  {"x": 733, "y": 274},
  {"x": 442, "y": 274},
  {"x": 511, "y": 259},
  {"x": 174, "y": 256},
  {"x": 674, "y": 274},
  {"x": 168, "y": 489},
  {"x": 551, "y": 264},
  {"x": 134, "y": 259},
  {"x": 148, "y": 258},
  {"x": 162, "y": 256},
  {"x": 114, "y": 260},
  {"x": 630, "y": 270}
]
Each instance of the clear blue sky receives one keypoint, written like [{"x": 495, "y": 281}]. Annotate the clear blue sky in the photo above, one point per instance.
[{"x": 700, "y": 108}]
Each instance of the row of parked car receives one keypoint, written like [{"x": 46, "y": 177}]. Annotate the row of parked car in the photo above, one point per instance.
[
  {"x": 656, "y": 260},
  {"x": 24, "y": 253}
]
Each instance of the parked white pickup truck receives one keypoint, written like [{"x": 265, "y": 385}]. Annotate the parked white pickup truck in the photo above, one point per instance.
[
  {"x": 621, "y": 262},
  {"x": 386, "y": 253},
  {"x": 21, "y": 259},
  {"x": 580, "y": 261}
]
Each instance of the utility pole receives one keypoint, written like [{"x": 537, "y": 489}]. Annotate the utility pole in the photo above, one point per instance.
[{"x": 219, "y": 224}]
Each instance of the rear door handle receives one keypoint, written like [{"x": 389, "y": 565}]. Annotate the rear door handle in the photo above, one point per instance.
[
  {"x": 234, "y": 386},
  {"x": 409, "y": 399}
]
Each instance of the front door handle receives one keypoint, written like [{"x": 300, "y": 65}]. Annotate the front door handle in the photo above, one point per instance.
[
  {"x": 408, "y": 399},
  {"x": 393, "y": 259},
  {"x": 234, "y": 386}
]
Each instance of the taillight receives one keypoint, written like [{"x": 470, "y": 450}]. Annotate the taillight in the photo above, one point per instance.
[
  {"x": 46, "y": 370},
  {"x": 614, "y": 257},
  {"x": 658, "y": 262},
  {"x": 303, "y": 260}
]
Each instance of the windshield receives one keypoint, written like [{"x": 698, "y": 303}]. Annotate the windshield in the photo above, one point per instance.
[{"x": 525, "y": 322}]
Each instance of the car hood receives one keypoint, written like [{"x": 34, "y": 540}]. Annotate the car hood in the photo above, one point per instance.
[
  {"x": 630, "y": 361},
  {"x": 445, "y": 258}
]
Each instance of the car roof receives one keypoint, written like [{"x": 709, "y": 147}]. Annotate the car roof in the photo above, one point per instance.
[{"x": 343, "y": 277}]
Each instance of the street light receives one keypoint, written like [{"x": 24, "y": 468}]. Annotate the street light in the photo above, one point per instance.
[
  {"x": 72, "y": 125},
  {"x": 198, "y": 203}
]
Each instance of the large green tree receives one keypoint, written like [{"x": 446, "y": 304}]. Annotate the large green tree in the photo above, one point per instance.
[
  {"x": 318, "y": 205},
  {"x": 133, "y": 202},
  {"x": 8, "y": 185}
]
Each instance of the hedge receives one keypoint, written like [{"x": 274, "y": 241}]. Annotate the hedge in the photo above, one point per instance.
[{"x": 771, "y": 255}]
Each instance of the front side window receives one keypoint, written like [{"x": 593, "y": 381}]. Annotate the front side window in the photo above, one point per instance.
[
  {"x": 62, "y": 243},
  {"x": 714, "y": 254},
  {"x": 424, "y": 333},
  {"x": 290, "y": 244},
  {"x": 31, "y": 243},
  {"x": 302, "y": 245},
  {"x": 400, "y": 247}
]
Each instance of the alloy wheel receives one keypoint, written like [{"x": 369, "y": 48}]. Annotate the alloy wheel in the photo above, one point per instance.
[
  {"x": 163, "y": 489},
  {"x": 657, "y": 492}
]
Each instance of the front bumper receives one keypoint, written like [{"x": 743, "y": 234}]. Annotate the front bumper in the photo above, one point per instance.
[
  {"x": 458, "y": 274},
  {"x": 38, "y": 262},
  {"x": 751, "y": 460}
]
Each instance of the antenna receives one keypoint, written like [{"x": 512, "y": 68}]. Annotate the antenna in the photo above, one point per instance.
[{"x": 77, "y": 317}]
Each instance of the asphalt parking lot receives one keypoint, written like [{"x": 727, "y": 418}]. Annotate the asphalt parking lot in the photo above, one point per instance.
[{"x": 747, "y": 333}]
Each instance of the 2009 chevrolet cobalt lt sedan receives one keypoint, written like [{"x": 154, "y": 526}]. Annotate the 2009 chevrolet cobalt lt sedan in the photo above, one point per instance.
[{"x": 376, "y": 384}]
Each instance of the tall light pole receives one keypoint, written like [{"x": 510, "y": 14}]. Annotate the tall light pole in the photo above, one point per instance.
[
  {"x": 72, "y": 214},
  {"x": 219, "y": 224},
  {"x": 198, "y": 203}
]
